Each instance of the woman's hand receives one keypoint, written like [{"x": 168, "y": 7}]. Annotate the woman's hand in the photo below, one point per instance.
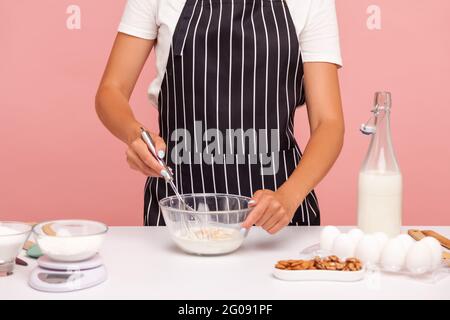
[
  {"x": 271, "y": 210},
  {"x": 140, "y": 159}
]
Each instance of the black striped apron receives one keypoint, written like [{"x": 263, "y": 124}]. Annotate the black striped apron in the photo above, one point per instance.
[{"x": 233, "y": 64}]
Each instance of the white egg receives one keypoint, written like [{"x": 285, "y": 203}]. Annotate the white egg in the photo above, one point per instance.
[
  {"x": 368, "y": 249},
  {"x": 356, "y": 235},
  {"x": 343, "y": 246},
  {"x": 393, "y": 255},
  {"x": 436, "y": 251},
  {"x": 382, "y": 239},
  {"x": 419, "y": 258},
  {"x": 406, "y": 240},
  {"x": 327, "y": 236}
]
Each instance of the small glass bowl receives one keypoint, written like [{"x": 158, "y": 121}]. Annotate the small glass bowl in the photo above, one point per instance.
[{"x": 12, "y": 238}]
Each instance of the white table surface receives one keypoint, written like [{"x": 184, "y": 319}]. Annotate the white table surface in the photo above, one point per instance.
[{"x": 143, "y": 263}]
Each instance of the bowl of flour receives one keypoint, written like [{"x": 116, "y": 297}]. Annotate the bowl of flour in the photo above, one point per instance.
[{"x": 70, "y": 240}]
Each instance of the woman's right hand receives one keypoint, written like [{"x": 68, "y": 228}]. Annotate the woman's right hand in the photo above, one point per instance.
[{"x": 140, "y": 159}]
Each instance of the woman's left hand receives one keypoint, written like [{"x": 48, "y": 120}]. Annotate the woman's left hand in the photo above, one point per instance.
[{"x": 271, "y": 210}]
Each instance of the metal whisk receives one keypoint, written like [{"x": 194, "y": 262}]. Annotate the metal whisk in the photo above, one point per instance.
[{"x": 167, "y": 174}]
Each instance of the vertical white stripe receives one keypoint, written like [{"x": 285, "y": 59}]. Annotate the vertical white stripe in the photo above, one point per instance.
[
  {"x": 163, "y": 106},
  {"x": 225, "y": 172},
  {"x": 303, "y": 213},
  {"x": 205, "y": 83},
  {"x": 178, "y": 175},
  {"x": 291, "y": 123},
  {"x": 230, "y": 71},
  {"x": 287, "y": 74},
  {"x": 146, "y": 208},
  {"x": 201, "y": 171},
  {"x": 315, "y": 199},
  {"x": 309, "y": 204},
  {"x": 275, "y": 182},
  {"x": 297, "y": 151},
  {"x": 184, "y": 102},
  {"x": 301, "y": 88},
  {"x": 168, "y": 132},
  {"x": 295, "y": 161},
  {"x": 150, "y": 201},
  {"x": 218, "y": 78},
  {"x": 237, "y": 175},
  {"x": 167, "y": 105},
  {"x": 267, "y": 77},
  {"x": 157, "y": 201},
  {"x": 307, "y": 212},
  {"x": 226, "y": 187},
  {"x": 242, "y": 75},
  {"x": 167, "y": 194},
  {"x": 168, "y": 129},
  {"x": 295, "y": 78},
  {"x": 255, "y": 142},
  {"x": 193, "y": 92},
  {"x": 145, "y": 191},
  {"x": 303, "y": 204},
  {"x": 261, "y": 173},
  {"x": 285, "y": 169},
  {"x": 285, "y": 166},
  {"x": 205, "y": 94},
  {"x": 193, "y": 77},
  {"x": 250, "y": 174},
  {"x": 278, "y": 77}
]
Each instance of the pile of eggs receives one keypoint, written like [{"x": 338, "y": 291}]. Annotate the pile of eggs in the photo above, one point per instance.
[{"x": 393, "y": 255}]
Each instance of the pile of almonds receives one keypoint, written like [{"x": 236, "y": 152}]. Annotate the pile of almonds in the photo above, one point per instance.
[{"x": 327, "y": 263}]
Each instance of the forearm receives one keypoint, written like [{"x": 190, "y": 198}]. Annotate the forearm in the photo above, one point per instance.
[
  {"x": 114, "y": 111},
  {"x": 320, "y": 154}
]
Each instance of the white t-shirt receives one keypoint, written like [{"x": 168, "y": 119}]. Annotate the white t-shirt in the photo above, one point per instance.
[{"x": 315, "y": 22}]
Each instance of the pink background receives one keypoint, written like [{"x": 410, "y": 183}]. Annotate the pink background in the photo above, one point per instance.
[{"x": 58, "y": 161}]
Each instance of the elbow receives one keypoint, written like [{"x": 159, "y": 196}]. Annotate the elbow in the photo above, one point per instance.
[
  {"x": 340, "y": 134},
  {"x": 335, "y": 130},
  {"x": 98, "y": 100},
  {"x": 341, "y": 129}
]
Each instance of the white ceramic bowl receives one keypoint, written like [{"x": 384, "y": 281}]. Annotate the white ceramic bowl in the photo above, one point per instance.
[{"x": 70, "y": 240}]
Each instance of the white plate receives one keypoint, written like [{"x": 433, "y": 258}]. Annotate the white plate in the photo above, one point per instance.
[{"x": 319, "y": 275}]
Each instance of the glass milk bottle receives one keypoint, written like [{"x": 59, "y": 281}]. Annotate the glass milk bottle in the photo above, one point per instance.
[{"x": 380, "y": 180}]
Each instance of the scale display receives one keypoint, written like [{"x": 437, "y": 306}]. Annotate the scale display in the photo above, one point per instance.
[{"x": 54, "y": 278}]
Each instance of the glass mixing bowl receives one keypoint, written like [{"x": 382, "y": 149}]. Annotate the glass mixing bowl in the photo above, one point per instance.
[
  {"x": 12, "y": 237},
  {"x": 215, "y": 226},
  {"x": 70, "y": 240}
]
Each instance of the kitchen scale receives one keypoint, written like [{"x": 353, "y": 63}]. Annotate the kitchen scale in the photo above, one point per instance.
[{"x": 56, "y": 276}]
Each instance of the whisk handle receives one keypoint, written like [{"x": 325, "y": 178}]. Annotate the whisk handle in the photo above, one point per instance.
[{"x": 147, "y": 138}]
